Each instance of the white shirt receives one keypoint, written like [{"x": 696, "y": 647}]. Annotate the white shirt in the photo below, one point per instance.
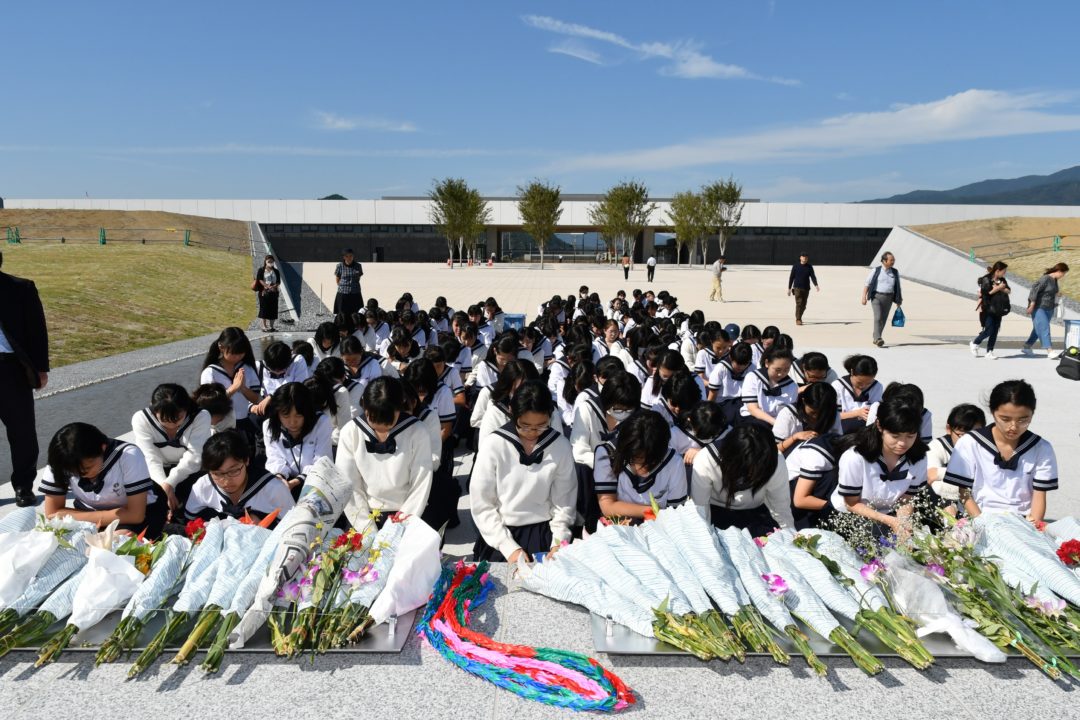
[
  {"x": 757, "y": 384},
  {"x": 811, "y": 460},
  {"x": 345, "y": 412},
  {"x": 886, "y": 284},
  {"x": 506, "y": 493},
  {"x": 849, "y": 400},
  {"x": 707, "y": 488},
  {"x": 589, "y": 429},
  {"x": 369, "y": 369},
  {"x": 497, "y": 415},
  {"x": 705, "y": 361},
  {"x": 485, "y": 331},
  {"x": 320, "y": 354},
  {"x": 262, "y": 497},
  {"x": 977, "y": 465},
  {"x": 182, "y": 454},
  {"x": 926, "y": 427},
  {"x": 397, "y": 480},
  {"x": 485, "y": 374},
  {"x": 217, "y": 374},
  {"x": 290, "y": 458},
  {"x": 666, "y": 483},
  {"x": 937, "y": 457},
  {"x": 788, "y": 423},
  {"x": 725, "y": 382},
  {"x": 430, "y": 420},
  {"x": 651, "y": 262},
  {"x": 860, "y": 478},
  {"x": 123, "y": 474},
  {"x": 557, "y": 375},
  {"x": 452, "y": 379},
  {"x": 296, "y": 372}
]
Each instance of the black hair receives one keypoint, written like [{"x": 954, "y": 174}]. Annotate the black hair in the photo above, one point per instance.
[
  {"x": 863, "y": 365},
  {"x": 72, "y": 444},
  {"x": 667, "y": 359},
  {"x": 821, "y": 398},
  {"x": 750, "y": 333},
  {"x": 327, "y": 332},
  {"x": 748, "y": 458},
  {"x": 904, "y": 392},
  {"x": 331, "y": 370},
  {"x": 578, "y": 353},
  {"x": 706, "y": 421},
  {"x": 400, "y": 336},
  {"x": 460, "y": 317},
  {"x": 212, "y": 398},
  {"x": 621, "y": 389},
  {"x": 440, "y": 302},
  {"x": 383, "y": 397},
  {"x": 516, "y": 370},
  {"x": 682, "y": 391},
  {"x": 1016, "y": 392},
  {"x": 771, "y": 332},
  {"x": 609, "y": 365},
  {"x": 645, "y": 435},
  {"x": 966, "y": 417},
  {"x": 291, "y": 396},
  {"x": 776, "y": 353},
  {"x": 532, "y": 396},
  {"x": 814, "y": 360},
  {"x": 581, "y": 377},
  {"x": 408, "y": 317},
  {"x": 277, "y": 357},
  {"x": 434, "y": 354},
  {"x": 741, "y": 354},
  {"x": 421, "y": 375},
  {"x": 169, "y": 401},
  {"x": 451, "y": 348},
  {"x": 235, "y": 341},
  {"x": 507, "y": 344},
  {"x": 303, "y": 349},
  {"x": 352, "y": 345},
  {"x": 322, "y": 393},
  {"x": 892, "y": 416},
  {"x": 344, "y": 323},
  {"x": 784, "y": 341},
  {"x": 222, "y": 446},
  {"x": 474, "y": 310}
]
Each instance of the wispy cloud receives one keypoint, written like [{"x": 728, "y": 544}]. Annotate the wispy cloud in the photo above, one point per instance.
[
  {"x": 332, "y": 121},
  {"x": 968, "y": 115},
  {"x": 684, "y": 58},
  {"x": 798, "y": 189}
]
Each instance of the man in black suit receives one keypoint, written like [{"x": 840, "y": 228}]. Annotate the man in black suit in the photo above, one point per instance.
[{"x": 24, "y": 367}]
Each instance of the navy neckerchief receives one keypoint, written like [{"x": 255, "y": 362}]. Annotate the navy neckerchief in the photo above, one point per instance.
[
  {"x": 900, "y": 472},
  {"x": 113, "y": 450},
  {"x": 167, "y": 442},
  {"x": 389, "y": 446},
  {"x": 985, "y": 438},
  {"x": 864, "y": 396},
  {"x": 509, "y": 433},
  {"x": 642, "y": 484}
]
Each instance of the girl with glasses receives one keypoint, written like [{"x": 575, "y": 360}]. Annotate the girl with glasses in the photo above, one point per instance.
[{"x": 229, "y": 490}]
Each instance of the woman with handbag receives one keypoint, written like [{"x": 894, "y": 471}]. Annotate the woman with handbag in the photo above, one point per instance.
[
  {"x": 267, "y": 284},
  {"x": 993, "y": 305}
]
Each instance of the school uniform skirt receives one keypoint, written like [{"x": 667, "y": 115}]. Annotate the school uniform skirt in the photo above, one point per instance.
[
  {"x": 823, "y": 490},
  {"x": 730, "y": 408},
  {"x": 268, "y": 305},
  {"x": 850, "y": 425},
  {"x": 588, "y": 504},
  {"x": 442, "y": 506},
  {"x": 535, "y": 538},
  {"x": 758, "y": 521}
]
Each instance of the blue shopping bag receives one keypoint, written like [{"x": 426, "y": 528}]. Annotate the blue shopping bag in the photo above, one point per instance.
[{"x": 898, "y": 318}]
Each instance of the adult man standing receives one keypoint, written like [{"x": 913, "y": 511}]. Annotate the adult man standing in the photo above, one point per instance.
[
  {"x": 718, "y": 271},
  {"x": 24, "y": 367},
  {"x": 882, "y": 289},
  {"x": 650, "y": 267},
  {"x": 349, "y": 299},
  {"x": 802, "y": 274}
]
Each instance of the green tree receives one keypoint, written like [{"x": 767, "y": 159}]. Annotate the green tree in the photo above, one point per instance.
[
  {"x": 459, "y": 213},
  {"x": 335, "y": 196},
  {"x": 622, "y": 214},
  {"x": 723, "y": 206},
  {"x": 687, "y": 222},
  {"x": 540, "y": 206}
]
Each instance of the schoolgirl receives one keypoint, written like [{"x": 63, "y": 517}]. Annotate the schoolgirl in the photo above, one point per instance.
[
  {"x": 416, "y": 331},
  {"x": 639, "y": 468},
  {"x": 401, "y": 351},
  {"x": 813, "y": 367},
  {"x": 912, "y": 395},
  {"x": 813, "y": 472},
  {"x": 638, "y": 340},
  {"x": 171, "y": 433},
  {"x": 1004, "y": 467},
  {"x": 107, "y": 478},
  {"x": 666, "y": 363},
  {"x": 229, "y": 489},
  {"x": 494, "y": 315},
  {"x": 278, "y": 367},
  {"x": 533, "y": 340},
  {"x": 333, "y": 378},
  {"x": 883, "y": 469},
  {"x": 715, "y": 346},
  {"x": 484, "y": 330},
  {"x": 302, "y": 349},
  {"x": 446, "y": 373},
  {"x": 769, "y": 335},
  {"x": 492, "y": 408},
  {"x": 435, "y": 399},
  {"x": 857, "y": 391},
  {"x": 743, "y": 482},
  {"x": 612, "y": 345},
  {"x": 214, "y": 399},
  {"x": 505, "y": 350},
  {"x": 362, "y": 366},
  {"x": 726, "y": 380},
  {"x": 597, "y": 420},
  {"x": 296, "y": 435},
  {"x": 751, "y": 335},
  {"x": 559, "y": 370},
  {"x": 962, "y": 419},
  {"x": 523, "y": 487},
  {"x": 768, "y": 387},
  {"x": 377, "y": 332},
  {"x": 386, "y": 453},
  {"x": 680, "y": 394},
  {"x": 582, "y": 380},
  {"x": 231, "y": 363},
  {"x": 325, "y": 342},
  {"x": 813, "y": 413},
  {"x": 423, "y": 322}
]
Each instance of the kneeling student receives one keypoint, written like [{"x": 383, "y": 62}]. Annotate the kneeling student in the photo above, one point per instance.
[
  {"x": 228, "y": 490},
  {"x": 296, "y": 435},
  {"x": 640, "y": 467}
]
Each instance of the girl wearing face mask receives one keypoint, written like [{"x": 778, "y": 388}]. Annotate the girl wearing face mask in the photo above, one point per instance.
[
  {"x": 639, "y": 468},
  {"x": 296, "y": 435},
  {"x": 857, "y": 391},
  {"x": 666, "y": 364},
  {"x": 883, "y": 469},
  {"x": 268, "y": 284}
]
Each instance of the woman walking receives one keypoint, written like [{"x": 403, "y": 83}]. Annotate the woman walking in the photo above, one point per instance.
[
  {"x": 268, "y": 278},
  {"x": 993, "y": 305},
  {"x": 1041, "y": 303}
]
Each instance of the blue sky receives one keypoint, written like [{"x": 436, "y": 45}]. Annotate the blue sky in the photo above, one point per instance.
[{"x": 799, "y": 101}]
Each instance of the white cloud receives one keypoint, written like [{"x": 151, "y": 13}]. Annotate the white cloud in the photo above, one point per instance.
[
  {"x": 225, "y": 149},
  {"x": 577, "y": 50},
  {"x": 968, "y": 115},
  {"x": 685, "y": 59},
  {"x": 797, "y": 189},
  {"x": 331, "y": 121}
]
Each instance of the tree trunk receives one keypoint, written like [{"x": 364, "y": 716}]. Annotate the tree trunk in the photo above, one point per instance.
[
  {"x": 704, "y": 253},
  {"x": 722, "y": 242},
  {"x": 541, "y": 257},
  {"x": 461, "y": 250}
]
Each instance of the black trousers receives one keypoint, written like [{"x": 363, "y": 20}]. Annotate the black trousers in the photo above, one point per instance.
[
  {"x": 17, "y": 414},
  {"x": 650, "y": 271}
]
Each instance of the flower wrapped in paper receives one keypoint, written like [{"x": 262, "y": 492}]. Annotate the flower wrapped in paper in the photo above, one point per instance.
[
  {"x": 22, "y": 554},
  {"x": 837, "y": 550},
  {"x": 1010, "y": 541},
  {"x": 20, "y": 519}
]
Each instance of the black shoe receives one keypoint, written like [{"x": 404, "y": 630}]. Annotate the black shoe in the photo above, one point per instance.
[{"x": 25, "y": 498}]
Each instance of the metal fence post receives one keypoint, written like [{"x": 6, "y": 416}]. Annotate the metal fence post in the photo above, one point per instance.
[
  {"x": 187, "y": 237},
  {"x": 101, "y": 236},
  {"x": 1057, "y": 243}
]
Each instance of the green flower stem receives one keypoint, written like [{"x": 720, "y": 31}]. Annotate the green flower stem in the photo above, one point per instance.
[
  {"x": 216, "y": 653},
  {"x": 51, "y": 650},
  {"x": 890, "y": 630},
  {"x": 802, "y": 644},
  {"x": 31, "y": 631},
  {"x": 9, "y": 618},
  {"x": 174, "y": 623},
  {"x": 122, "y": 639},
  {"x": 204, "y": 625},
  {"x": 862, "y": 657},
  {"x": 751, "y": 628}
]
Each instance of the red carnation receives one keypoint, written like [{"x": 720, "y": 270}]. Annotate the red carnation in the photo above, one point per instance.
[
  {"x": 1069, "y": 552},
  {"x": 196, "y": 530}
]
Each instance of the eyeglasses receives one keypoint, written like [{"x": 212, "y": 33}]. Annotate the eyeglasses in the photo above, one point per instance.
[
  {"x": 1018, "y": 422},
  {"x": 524, "y": 430},
  {"x": 230, "y": 474}
]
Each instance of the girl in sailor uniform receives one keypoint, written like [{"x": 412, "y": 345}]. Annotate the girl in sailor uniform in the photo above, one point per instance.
[
  {"x": 171, "y": 433},
  {"x": 751, "y": 335},
  {"x": 768, "y": 387},
  {"x": 296, "y": 435},
  {"x": 857, "y": 391},
  {"x": 229, "y": 490},
  {"x": 333, "y": 380},
  {"x": 213, "y": 398},
  {"x": 446, "y": 373},
  {"x": 743, "y": 482},
  {"x": 726, "y": 380},
  {"x": 505, "y": 350},
  {"x": 377, "y": 331},
  {"x": 494, "y": 315},
  {"x": 559, "y": 371},
  {"x": 539, "y": 348},
  {"x": 492, "y": 409},
  {"x": 962, "y": 419},
  {"x": 666, "y": 364},
  {"x": 439, "y": 320},
  {"x": 325, "y": 342},
  {"x": 680, "y": 394},
  {"x": 638, "y": 468},
  {"x": 882, "y": 471},
  {"x": 813, "y": 367},
  {"x": 401, "y": 351},
  {"x": 484, "y": 330},
  {"x": 107, "y": 478},
  {"x": 231, "y": 363},
  {"x": 912, "y": 395},
  {"x": 407, "y": 302},
  {"x": 715, "y": 346},
  {"x": 303, "y": 351},
  {"x": 278, "y": 367},
  {"x": 362, "y": 366},
  {"x": 523, "y": 486},
  {"x": 386, "y": 453},
  {"x": 813, "y": 413},
  {"x": 582, "y": 380},
  {"x": 432, "y": 394},
  {"x": 1004, "y": 467},
  {"x": 813, "y": 472},
  {"x": 417, "y": 331}
]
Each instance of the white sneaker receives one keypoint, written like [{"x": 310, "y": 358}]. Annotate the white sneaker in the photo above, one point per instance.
[
  {"x": 990, "y": 355},
  {"x": 1053, "y": 354},
  {"x": 1026, "y": 349},
  {"x": 974, "y": 349}
]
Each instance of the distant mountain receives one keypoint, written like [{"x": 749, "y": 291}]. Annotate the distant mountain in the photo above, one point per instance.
[{"x": 1060, "y": 188}]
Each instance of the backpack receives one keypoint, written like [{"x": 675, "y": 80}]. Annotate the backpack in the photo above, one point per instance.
[{"x": 1069, "y": 365}]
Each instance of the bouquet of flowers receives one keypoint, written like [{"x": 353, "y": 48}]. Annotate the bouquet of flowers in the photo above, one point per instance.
[{"x": 20, "y": 519}]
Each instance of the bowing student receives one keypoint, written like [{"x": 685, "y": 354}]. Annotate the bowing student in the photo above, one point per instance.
[
  {"x": 523, "y": 489},
  {"x": 401, "y": 350},
  {"x": 813, "y": 413},
  {"x": 302, "y": 349},
  {"x": 494, "y": 402},
  {"x": 813, "y": 367},
  {"x": 640, "y": 467},
  {"x": 296, "y": 434},
  {"x": 534, "y": 340},
  {"x": 333, "y": 381},
  {"x": 883, "y": 469},
  {"x": 716, "y": 344},
  {"x": 171, "y": 433},
  {"x": 446, "y": 373},
  {"x": 228, "y": 488},
  {"x": 743, "y": 482},
  {"x": 962, "y": 419},
  {"x": 278, "y": 367},
  {"x": 857, "y": 391},
  {"x": 231, "y": 363},
  {"x": 1004, "y": 467},
  {"x": 912, "y": 395},
  {"x": 580, "y": 383},
  {"x": 726, "y": 380},
  {"x": 107, "y": 478},
  {"x": 386, "y": 453},
  {"x": 768, "y": 387},
  {"x": 813, "y": 472},
  {"x": 432, "y": 394},
  {"x": 666, "y": 363},
  {"x": 326, "y": 342},
  {"x": 214, "y": 399},
  {"x": 751, "y": 335},
  {"x": 559, "y": 371},
  {"x": 363, "y": 367},
  {"x": 504, "y": 350}
]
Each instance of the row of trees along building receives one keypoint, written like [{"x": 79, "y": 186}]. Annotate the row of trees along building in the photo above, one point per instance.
[{"x": 462, "y": 215}]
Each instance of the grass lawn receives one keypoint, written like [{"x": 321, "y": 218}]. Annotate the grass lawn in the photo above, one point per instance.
[{"x": 102, "y": 300}]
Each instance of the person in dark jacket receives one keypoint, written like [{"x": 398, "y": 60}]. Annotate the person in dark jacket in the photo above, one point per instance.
[
  {"x": 802, "y": 274},
  {"x": 24, "y": 367},
  {"x": 882, "y": 290}
]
